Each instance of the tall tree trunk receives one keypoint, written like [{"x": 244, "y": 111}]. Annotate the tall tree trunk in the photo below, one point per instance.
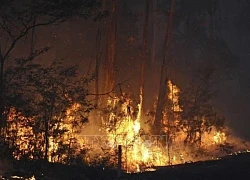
[
  {"x": 98, "y": 58},
  {"x": 1, "y": 92},
  {"x": 162, "y": 95},
  {"x": 46, "y": 137},
  {"x": 143, "y": 54},
  {"x": 47, "y": 120},
  {"x": 99, "y": 37},
  {"x": 99, "y": 49},
  {"x": 154, "y": 6},
  {"x": 111, "y": 47},
  {"x": 153, "y": 66}
]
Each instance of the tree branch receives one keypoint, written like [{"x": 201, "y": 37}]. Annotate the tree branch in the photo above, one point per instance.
[
  {"x": 112, "y": 90},
  {"x": 24, "y": 32}
]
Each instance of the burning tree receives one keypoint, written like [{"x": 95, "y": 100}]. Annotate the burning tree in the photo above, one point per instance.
[
  {"x": 164, "y": 76},
  {"x": 18, "y": 20},
  {"x": 43, "y": 108},
  {"x": 52, "y": 111},
  {"x": 17, "y": 25},
  {"x": 123, "y": 127}
]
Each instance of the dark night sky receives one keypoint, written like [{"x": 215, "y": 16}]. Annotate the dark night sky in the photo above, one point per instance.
[{"x": 75, "y": 42}]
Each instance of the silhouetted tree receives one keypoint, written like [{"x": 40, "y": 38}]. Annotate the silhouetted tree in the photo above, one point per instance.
[
  {"x": 17, "y": 20},
  {"x": 53, "y": 100},
  {"x": 199, "y": 113},
  {"x": 164, "y": 76},
  {"x": 17, "y": 23}
]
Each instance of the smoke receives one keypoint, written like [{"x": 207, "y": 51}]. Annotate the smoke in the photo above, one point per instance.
[{"x": 75, "y": 42}]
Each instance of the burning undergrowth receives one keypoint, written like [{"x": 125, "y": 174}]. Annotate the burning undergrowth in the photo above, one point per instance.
[
  {"x": 143, "y": 149},
  {"x": 181, "y": 140}
]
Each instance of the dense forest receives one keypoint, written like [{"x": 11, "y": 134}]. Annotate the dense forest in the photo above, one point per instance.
[{"x": 80, "y": 78}]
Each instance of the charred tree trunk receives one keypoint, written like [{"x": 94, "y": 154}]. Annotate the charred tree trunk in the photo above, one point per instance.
[
  {"x": 143, "y": 53},
  {"x": 46, "y": 138},
  {"x": 47, "y": 120},
  {"x": 162, "y": 95},
  {"x": 111, "y": 48}
]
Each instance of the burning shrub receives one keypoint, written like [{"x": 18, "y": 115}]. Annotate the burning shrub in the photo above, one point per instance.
[{"x": 58, "y": 108}]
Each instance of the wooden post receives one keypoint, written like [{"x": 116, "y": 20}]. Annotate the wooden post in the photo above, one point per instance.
[{"x": 119, "y": 166}]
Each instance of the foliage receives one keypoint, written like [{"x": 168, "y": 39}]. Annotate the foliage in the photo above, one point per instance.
[
  {"x": 50, "y": 102},
  {"x": 199, "y": 114},
  {"x": 35, "y": 98}
]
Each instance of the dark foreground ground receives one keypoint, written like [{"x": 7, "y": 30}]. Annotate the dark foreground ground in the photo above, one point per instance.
[{"x": 234, "y": 167}]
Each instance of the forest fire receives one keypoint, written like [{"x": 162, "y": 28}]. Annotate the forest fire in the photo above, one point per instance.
[
  {"x": 137, "y": 153},
  {"x": 141, "y": 151},
  {"x": 81, "y": 91}
]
